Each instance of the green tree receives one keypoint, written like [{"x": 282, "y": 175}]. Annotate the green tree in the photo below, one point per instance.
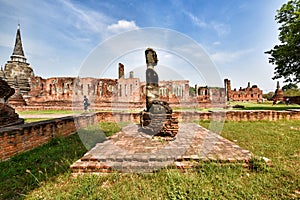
[
  {"x": 192, "y": 91},
  {"x": 292, "y": 92},
  {"x": 286, "y": 56},
  {"x": 289, "y": 86},
  {"x": 269, "y": 96}
]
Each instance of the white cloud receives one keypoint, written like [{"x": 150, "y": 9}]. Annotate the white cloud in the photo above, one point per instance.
[
  {"x": 220, "y": 28},
  {"x": 86, "y": 19},
  {"x": 227, "y": 57},
  {"x": 216, "y": 43},
  {"x": 196, "y": 20},
  {"x": 122, "y": 26}
]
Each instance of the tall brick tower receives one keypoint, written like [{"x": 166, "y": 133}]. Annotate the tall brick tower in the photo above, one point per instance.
[
  {"x": 227, "y": 85},
  {"x": 17, "y": 72},
  {"x": 18, "y": 53},
  {"x": 278, "y": 93}
]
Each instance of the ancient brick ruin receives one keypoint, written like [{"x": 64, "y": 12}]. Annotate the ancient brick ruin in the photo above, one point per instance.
[
  {"x": 243, "y": 94},
  {"x": 35, "y": 92},
  {"x": 17, "y": 72},
  {"x": 210, "y": 94},
  {"x": 278, "y": 95}
]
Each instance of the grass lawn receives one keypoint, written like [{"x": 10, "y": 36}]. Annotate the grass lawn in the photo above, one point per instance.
[
  {"x": 42, "y": 112},
  {"x": 264, "y": 106},
  {"x": 66, "y": 112},
  {"x": 26, "y": 171},
  {"x": 248, "y": 106},
  {"x": 44, "y": 172},
  {"x": 29, "y": 120}
]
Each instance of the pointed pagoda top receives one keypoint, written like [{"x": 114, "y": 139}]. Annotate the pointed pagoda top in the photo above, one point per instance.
[
  {"x": 278, "y": 86},
  {"x": 18, "y": 53}
]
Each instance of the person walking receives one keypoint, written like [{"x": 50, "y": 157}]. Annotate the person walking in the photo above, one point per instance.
[
  {"x": 287, "y": 101},
  {"x": 274, "y": 101},
  {"x": 86, "y": 103}
]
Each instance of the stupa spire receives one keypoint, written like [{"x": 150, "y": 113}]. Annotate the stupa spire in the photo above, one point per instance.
[{"x": 18, "y": 53}]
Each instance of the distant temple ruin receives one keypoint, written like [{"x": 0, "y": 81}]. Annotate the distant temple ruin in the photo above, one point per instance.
[
  {"x": 128, "y": 92},
  {"x": 278, "y": 95},
  {"x": 17, "y": 72},
  {"x": 250, "y": 93}
]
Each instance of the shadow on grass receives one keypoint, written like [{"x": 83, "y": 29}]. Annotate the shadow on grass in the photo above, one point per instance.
[
  {"x": 91, "y": 136},
  {"x": 26, "y": 171},
  {"x": 98, "y": 133}
]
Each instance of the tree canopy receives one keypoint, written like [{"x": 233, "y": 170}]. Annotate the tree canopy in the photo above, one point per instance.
[
  {"x": 286, "y": 56},
  {"x": 289, "y": 86}
]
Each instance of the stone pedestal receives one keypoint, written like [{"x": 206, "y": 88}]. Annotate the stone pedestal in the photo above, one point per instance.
[
  {"x": 159, "y": 120},
  {"x": 164, "y": 125},
  {"x": 132, "y": 151}
]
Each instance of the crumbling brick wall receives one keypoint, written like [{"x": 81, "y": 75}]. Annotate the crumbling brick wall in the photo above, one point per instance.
[
  {"x": 243, "y": 94},
  {"x": 21, "y": 138}
]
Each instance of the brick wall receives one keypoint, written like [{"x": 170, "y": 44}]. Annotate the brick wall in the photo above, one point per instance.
[
  {"x": 254, "y": 115},
  {"x": 20, "y": 138},
  {"x": 192, "y": 102},
  {"x": 17, "y": 139}
]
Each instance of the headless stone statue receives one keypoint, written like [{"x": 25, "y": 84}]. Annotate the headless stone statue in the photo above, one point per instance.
[
  {"x": 151, "y": 78},
  {"x": 153, "y": 104},
  {"x": 157, "y": 119}
]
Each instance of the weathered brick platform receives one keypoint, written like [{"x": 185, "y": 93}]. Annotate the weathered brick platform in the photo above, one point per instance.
[{"x": 131, "y": 150}]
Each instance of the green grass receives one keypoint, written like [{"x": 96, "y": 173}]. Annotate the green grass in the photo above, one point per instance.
[
  {"x": 42, "y": 112},
  {"x": 66, "y": 112},
  {"x": 29, "y": 120},
  {"x": 278, "y": 141},
  {"x": 248, "y": 106},
  {"x": 109, "y": 128},
  {"x": 264, "y": 106},
  {"x": 29, "y": 170}
]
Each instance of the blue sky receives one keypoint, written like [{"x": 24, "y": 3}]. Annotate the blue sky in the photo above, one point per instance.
[{"x": 59, "y": 36}]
